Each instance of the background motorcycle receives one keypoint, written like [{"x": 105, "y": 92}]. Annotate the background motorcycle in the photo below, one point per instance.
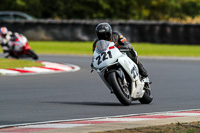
[
  {"x": 21, "y": 48},
  {"x": 120, "y": 74}
]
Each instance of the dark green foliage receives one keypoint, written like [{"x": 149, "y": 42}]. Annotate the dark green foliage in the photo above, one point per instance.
[{"x": 105, "y": 9}]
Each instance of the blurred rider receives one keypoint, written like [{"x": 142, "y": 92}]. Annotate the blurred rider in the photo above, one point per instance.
[
  {"x": 104, "y": 32},
  {"x": 5, "y": 37}
]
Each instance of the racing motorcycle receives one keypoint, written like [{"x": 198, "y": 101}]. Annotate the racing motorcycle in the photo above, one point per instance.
[
  {"x": 21, "y": 48},
  {"x": 120, "y": 74}
]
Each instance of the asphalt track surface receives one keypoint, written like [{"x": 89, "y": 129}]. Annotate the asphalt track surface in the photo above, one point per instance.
[{"x": 81, "y": 94}]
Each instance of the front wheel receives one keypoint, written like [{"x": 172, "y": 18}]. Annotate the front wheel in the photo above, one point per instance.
[
  {"x": 32, "y": 54},
  {"x": 120, "y": 90}
]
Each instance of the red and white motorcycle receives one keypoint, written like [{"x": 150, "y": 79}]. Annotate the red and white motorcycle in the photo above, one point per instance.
[{"x": 21, "y": 48}]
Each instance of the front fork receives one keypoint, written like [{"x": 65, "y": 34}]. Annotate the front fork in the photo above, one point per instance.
[{"x": 104, "y": 72}]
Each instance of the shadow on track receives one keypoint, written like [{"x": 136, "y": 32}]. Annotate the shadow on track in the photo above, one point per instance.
[{"x": 93, "y": 103}]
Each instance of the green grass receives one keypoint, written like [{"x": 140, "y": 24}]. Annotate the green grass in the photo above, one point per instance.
[
  {"x": 143, "y": 49},
  {"x": 13, "y": 63},
  {"x": 55, "y": 47},
  {"x": 148, "y": 49}
]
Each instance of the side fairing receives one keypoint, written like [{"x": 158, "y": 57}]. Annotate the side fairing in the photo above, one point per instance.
[{"x": 129, "y": 66}]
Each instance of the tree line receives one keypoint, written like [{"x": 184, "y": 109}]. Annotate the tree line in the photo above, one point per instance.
[{"x": 105, "y": 9}]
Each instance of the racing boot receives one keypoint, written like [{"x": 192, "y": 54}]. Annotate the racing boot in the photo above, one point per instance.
[
  {"x": 143, "y": 72},
  {"x": 133, "y": 55}
]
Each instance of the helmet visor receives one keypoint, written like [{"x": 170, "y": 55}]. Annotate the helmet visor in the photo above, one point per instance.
[{"x": 104, "y": 36}]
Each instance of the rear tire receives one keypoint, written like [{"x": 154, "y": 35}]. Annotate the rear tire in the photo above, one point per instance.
[
  {"x": 114, "y": 81},
  {"x": 32, "y": 54},
  {"x": 147, "y": 97}
]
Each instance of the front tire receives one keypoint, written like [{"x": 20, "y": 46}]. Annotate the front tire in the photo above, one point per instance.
[
  {"x": 32, "y": 54},
  {"x": 123, "y": 94}
]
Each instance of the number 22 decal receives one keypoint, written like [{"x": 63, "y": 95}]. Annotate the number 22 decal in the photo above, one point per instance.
[{"x": 104, "y": 56}]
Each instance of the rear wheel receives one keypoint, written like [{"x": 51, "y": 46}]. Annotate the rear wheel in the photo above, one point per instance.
[
  {"x": 120, "y": 89},
  {"x": 32, "y": 54},
  {"x": 147, "y": 97}
]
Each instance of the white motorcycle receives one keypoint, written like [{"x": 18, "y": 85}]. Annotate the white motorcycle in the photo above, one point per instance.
[{"x": 120, "y": 74}]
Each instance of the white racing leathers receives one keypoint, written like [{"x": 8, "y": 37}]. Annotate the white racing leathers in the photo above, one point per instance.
[{"x": 6, "y": 45}]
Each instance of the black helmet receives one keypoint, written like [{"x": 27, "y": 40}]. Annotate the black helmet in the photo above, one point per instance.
[{"x": 104, "y": 31}]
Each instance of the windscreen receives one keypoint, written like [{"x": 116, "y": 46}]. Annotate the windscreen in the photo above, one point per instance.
[{"x": 101, "y": 46}]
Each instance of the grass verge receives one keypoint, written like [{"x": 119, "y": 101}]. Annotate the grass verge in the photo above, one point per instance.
[
  {"x": 193, "y": 127},
  {"x": 143, "y": 49},
  {"x": 14, "y": 63},
  {"x": 56, "y": 47}
]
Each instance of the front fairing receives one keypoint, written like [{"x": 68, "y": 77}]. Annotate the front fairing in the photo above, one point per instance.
[
  {"x": 105, "y": 57},
  {"x": 20, "y": 43},
  {"x": 17, "y": 46}
]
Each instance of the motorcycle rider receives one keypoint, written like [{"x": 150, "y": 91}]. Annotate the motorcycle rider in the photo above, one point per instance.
[
  {"x": 5, "y": 40},
  {"x": 104, "y": 32},
  {"x": 5, "y": 37}
]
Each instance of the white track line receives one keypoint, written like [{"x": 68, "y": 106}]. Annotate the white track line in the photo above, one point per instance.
[{"x": 106, "y": 118}]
